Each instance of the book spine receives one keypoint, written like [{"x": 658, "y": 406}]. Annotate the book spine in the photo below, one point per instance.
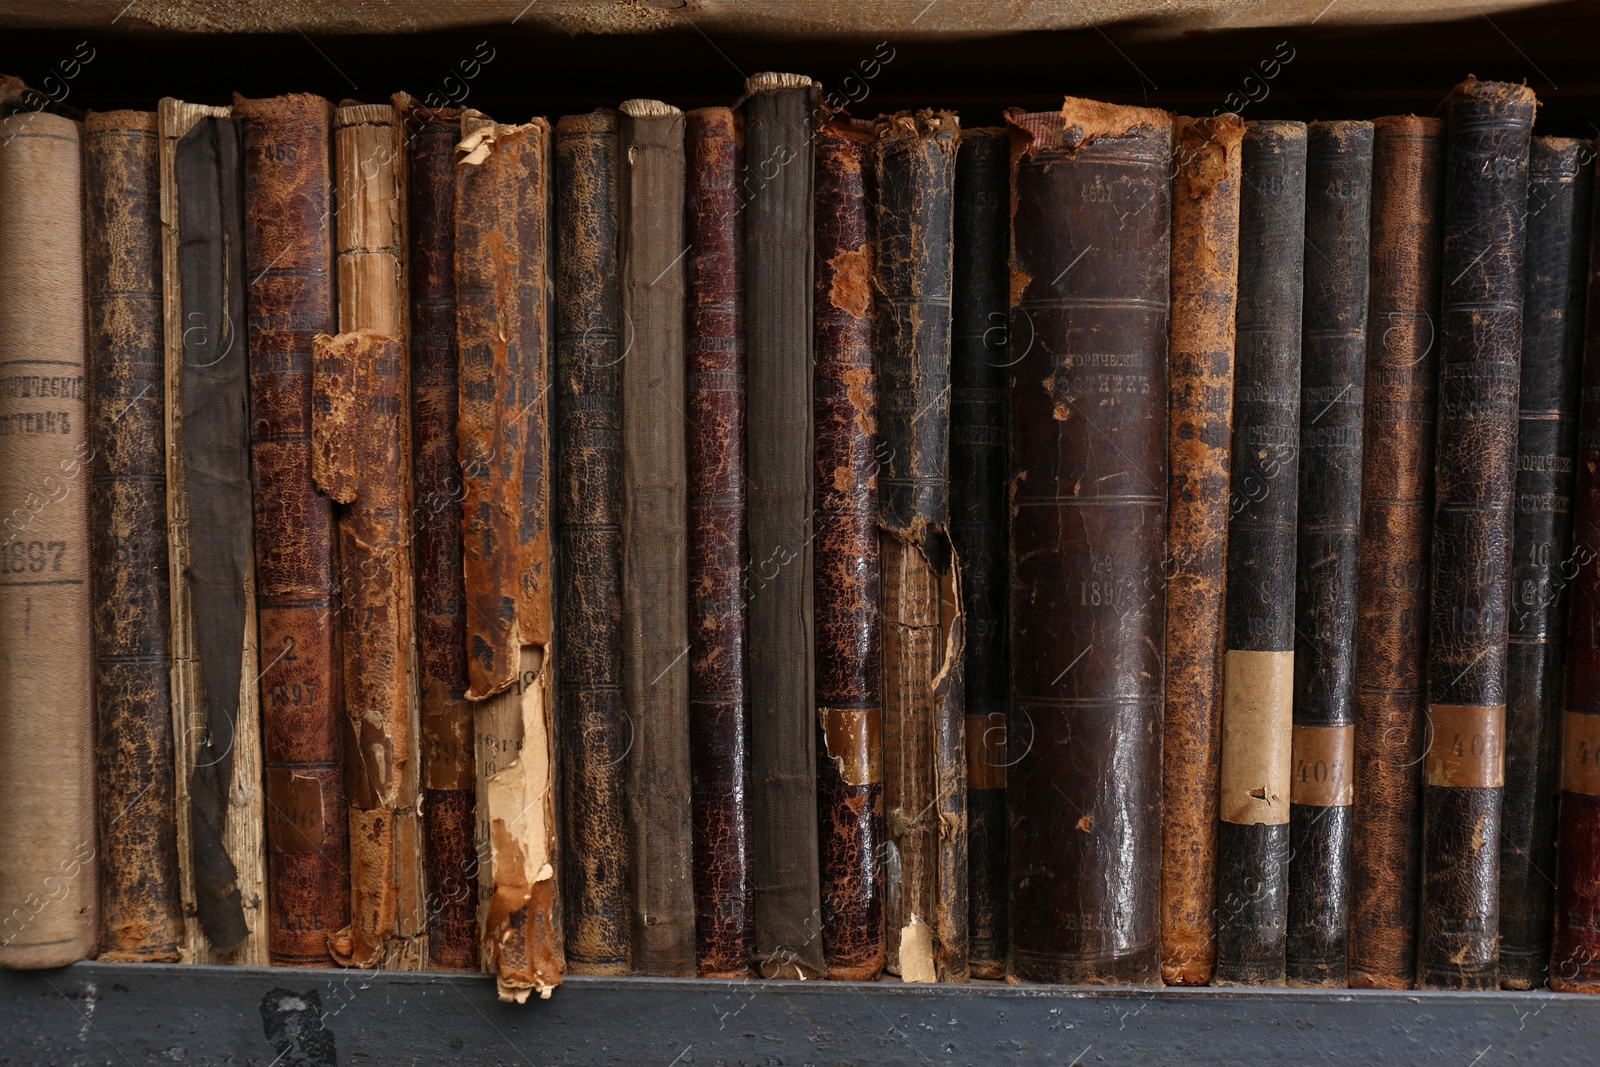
[
  {"x": 1090, "y": 285},
  {"x": 1397, "y": 481},
  {"x": 1205, "y": 279},
  {"x": 1559, "y": 187},
  {"x": 654, "y": 550},
  {"x": 914, "y": 200},
  {"x": 719, "y": 685},
  {"x": 449, "y": 804},
  {"x": 978, "y": 401},
  {"x": 1332, "y": 390},
  {"x": 777, "y": 193},
  {"x": 140, "y": 901},
  {"x": 289, "y": 261},
  {"x": 1258, "y": 670},
  {"x": 1480, "y": 342},
  {"x": 849, "y": 645},
  {"x": 216, "y": 703},
  {"x": 596, "y": 732}
]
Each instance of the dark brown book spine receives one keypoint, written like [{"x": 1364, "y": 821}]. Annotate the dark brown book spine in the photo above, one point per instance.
[
  {"x": 447, "y": 738},
  {"x": 849, "y": 648},
  {"x": 978, "y": 402},
  {"x": 1480, "y": 347},
  {"x": 778, "y": 112},
  {"x": 1559, "y": 186},
  {"x": 1332, "y": 388},
  {"x": 141, "y": 915},
  {"x": 1397, "y": 491},
  {"x": 924, "y": 755},
  {"x": 1090, "y": 285},
  {"x": 1205, "y": 280},
  {"x": 719, "y": 685},
  {"x": 595, "y": 731},
  {"x": 1258, "y": 670},
  {"x": 289, "y": 259}
]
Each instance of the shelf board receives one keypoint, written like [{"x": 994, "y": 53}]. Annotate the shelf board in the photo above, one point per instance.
[{"x": 97, "y": 1013}]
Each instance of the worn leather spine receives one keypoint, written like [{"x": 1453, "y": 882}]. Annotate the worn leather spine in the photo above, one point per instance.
[
  {"x": 978, "y": 402},
  {"x": 140, "y": 900},
  {"x": 449, "y": 802},
  {"x": 924, "y": 751},
  {"x": 1560, "y": 180},
  {"x": 502, "y": 207},
  {"x": 1258, "y": 669},
  {"x": 1332, "y": 389},
  {"x": 1575, "y": 940},
  {"x": 1091, "y": 223},
  {"x": 1205, "y": 277},
  {"x": 216, "y": 707},
  {"x": 655, "y": 639},
  {"x": 1480, "y": 342},
  {"x": 719, "y": 683},
  {"x": 776, "y": 189},
  {"x": 595, "y": 731},
  {"x": 1397, "y": 490},
  {"x": 849, "y": 644},
  {"x": 289, "y": 257}
]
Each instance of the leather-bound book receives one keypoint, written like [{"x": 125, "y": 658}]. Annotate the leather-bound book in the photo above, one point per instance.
[
  {"x": 655, "y": 608},
  {"x": 289, "y": 255},
  {"x": 776, "y": 195},
  {"x": 978, "y": 401},
  {"x": 924, "y": 751},
  {"x": 140, "y": 900},
  {"x": 1258, "y": 668},
  {"x": 1091, "y": 232},
  {"x": 1480, "y": 346},
  {"x": 1205, "y": 279},
  {"x": 595, "y": 733},
  {"x": 49, "y": 871},
  {"x": 1560, "y": 180},
  {"x": 1332, "y": 387},
  {"x": 719, "y": 684},
  {"x": 502, "y": 299},
  {"x": 216, "y": 706},
  {"x": 1397, "y": 484},
  {"x": 448, "y": 801},
  {"x": 849, "y": 643}
]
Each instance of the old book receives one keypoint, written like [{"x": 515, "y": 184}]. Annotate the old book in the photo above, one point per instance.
[
  {"x": 289, "y": 259},
  {"x": 502, "y": 298},
  {"x": 1258, "y": 669},
  {"x": 777, "y": 112},
  {"x": 49, "y": 878},
  {"x": 1480, "y": 344},
  {"x": 1090, "y": 286},
  {"x": 595, "y": 732},
  {"x": 719, "y": 684},
  {"x": 140, "y": 899},
  {"x": 1205, "y": 279},
  {"x": 1397, "y": 493},
  {"x": 1560, "y": 180},
  {"x": 978, "y": 401},
  {"x": 1332, "y": 388},
  {"x": 448, "y": 768},
  {"x": 849, "y": 660},
  {"x": 924, "y": 755},
  {"x": 216, "y": 707}
]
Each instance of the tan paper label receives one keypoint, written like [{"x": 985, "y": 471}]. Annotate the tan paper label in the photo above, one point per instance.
[
  {"x": 1466, "y": 746},
  {"x": 1580, "y": 754},
  {"x": 447, "y": 756},
  {"x": 1257, "y": 731},
  {"x": 854, "y": 741},
  {"x": 986, "y": 751},
  {"x": 294, "y": 812},
  {"x": 1324, "y": 759}
]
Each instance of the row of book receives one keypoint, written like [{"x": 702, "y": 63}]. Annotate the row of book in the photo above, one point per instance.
[{"x": 1114, "y": 548}]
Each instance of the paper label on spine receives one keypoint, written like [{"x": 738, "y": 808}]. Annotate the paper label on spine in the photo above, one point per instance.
[
  {"x": 986, "y": 751},
  {"x": 294, "y": 812},
  {"x": 1322, "y": 773},
  {"x": 1257, "y": 730},
  {"x": 853, "y": 738},
  {"x": 1466, "y": 746},
  {"x": 1580, "y": 754}
]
